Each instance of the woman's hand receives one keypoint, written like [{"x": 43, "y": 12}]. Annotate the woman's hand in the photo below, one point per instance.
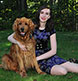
[
  {"x": 37, "y": 58},
  {"x": 21, "y": 46}
]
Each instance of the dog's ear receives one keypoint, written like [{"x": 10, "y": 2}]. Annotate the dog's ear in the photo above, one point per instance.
[
  {"x": 31, "y": 24},
  {"x": 15, "y": 25}
]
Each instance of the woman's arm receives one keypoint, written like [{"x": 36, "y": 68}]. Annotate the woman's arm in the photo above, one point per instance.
[
  {"x": 12, "y": 40},
  {"x": 52, "y": 51}
]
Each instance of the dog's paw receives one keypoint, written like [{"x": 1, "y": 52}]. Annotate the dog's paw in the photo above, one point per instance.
[
  {"x": 42, "y": 73},
  {"x": 23, "y": 73}
]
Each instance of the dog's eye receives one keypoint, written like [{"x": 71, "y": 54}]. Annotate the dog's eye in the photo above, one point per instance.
[
  {"x": 20, "y": 23},
  {"x": 25, "y": 23}
]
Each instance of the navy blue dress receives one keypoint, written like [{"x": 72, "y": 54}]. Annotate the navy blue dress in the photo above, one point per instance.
[{"x": 42, "y": 38}]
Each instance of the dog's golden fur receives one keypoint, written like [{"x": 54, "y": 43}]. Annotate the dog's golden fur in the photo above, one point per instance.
[{"x": 19, "y": 60}]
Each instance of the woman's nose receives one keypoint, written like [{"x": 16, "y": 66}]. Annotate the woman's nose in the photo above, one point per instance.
[{"x": 44, "y": 15}]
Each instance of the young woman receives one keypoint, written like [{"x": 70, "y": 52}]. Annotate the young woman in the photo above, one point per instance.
[{"x": 44, "y": 32}]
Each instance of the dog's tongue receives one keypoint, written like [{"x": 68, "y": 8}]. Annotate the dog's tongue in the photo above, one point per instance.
[{"x": 22, "y": 33}]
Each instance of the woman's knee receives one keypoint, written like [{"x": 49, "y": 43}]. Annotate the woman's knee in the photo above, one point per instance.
[
  {"x": 58, "y": 70},
  {"x": 71, "y": 67}
]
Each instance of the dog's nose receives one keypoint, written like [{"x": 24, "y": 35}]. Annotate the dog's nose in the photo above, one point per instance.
[{"x": 22, "y": 29}]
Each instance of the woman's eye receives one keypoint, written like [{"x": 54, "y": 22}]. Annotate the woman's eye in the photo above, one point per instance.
[
  {"x": 20, "y": 23},
  {"x": 47, "y": 13},
  {"x": 41, "y": 12}
]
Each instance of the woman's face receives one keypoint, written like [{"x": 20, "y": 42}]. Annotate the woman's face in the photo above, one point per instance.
[{"x": 44, "y": 15}]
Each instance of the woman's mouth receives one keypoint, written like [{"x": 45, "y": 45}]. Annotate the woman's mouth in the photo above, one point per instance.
[{"x": 43, "y": 18}]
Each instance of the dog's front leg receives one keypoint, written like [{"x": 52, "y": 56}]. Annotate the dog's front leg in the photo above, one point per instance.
[
  {"x": 22, "y": 71},
  {"x": 37, "y": 66}
]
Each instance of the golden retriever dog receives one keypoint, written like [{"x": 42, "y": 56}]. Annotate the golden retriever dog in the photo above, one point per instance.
[{"x": 19, "y": 60}]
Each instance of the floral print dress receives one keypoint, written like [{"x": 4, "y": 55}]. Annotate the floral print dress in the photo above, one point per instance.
[{"x": 42, "y": 38}]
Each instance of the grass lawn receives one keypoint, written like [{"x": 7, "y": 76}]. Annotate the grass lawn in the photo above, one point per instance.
[{"x": 67, "y": 43}]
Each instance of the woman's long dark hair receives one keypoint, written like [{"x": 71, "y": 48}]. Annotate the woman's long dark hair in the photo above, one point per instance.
[{"x": 49, "y": 24}]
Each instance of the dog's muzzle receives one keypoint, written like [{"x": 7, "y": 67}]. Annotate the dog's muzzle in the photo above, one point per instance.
[
  {"x": 22, "y": 33},
  {"x": 22, "y": 29}
]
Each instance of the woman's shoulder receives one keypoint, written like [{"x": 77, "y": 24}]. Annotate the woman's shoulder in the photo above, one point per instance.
[{"x": 52, "y": 31}]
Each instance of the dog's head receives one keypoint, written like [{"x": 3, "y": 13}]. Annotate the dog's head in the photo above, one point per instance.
[{"x": 23, "y": 26}]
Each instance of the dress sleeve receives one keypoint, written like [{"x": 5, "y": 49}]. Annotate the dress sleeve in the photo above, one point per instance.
[{"x": 52, "y": 31}]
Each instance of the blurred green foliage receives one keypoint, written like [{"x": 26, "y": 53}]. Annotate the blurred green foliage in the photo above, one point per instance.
[{"x": 65, "y": 12}]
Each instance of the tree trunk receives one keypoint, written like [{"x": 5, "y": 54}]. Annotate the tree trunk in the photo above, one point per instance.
[
  {"x": 18, "y": 5},
  {"x": 21, "y": 5}
]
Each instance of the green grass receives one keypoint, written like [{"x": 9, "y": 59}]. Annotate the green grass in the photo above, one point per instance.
[{"x": 67, "y": 43}]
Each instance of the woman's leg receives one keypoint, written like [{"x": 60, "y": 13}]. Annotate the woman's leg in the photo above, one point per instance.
[
  {"x": 71, "y": 67},
  {"x": 58, "y": 70}
]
